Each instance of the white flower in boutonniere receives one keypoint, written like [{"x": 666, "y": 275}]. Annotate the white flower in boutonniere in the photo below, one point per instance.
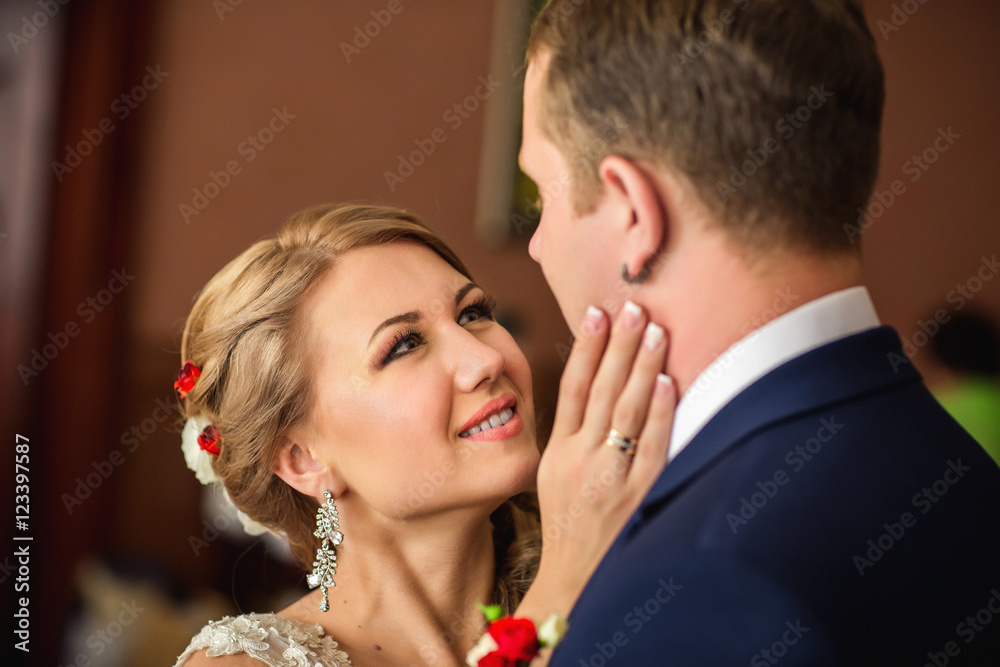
[
  {"x": 551, "y": 632},
  {"x": 483, "y": 648}
]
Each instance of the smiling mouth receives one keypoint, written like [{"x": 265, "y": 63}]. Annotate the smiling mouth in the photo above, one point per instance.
[{"x": 494, "y": 420}]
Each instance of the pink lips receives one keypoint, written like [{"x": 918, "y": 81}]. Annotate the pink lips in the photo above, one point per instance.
[{"x": 513, "y": 426}]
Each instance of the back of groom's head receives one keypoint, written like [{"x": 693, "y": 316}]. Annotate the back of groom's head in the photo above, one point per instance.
[{"x": 772, "y": 109}]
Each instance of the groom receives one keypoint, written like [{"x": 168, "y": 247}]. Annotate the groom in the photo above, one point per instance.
[{"x": 704, "y": 160}]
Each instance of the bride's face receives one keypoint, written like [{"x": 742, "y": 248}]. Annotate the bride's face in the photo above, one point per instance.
[{"x": 408, "y": 364}]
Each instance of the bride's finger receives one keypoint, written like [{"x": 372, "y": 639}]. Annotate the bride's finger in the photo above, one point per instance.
[
  {"x": 616, "y": 364},
  {"x": 574, "y": 386},
  {"x": 633, "y": 404},
  {"x": 654, "y": 442}
]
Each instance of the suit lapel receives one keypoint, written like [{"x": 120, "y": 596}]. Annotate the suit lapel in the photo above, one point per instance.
[{"x": 832, "y": 373}]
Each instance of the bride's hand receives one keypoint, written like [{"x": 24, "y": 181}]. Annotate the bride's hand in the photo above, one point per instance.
[{"x": 587, "y": 487}]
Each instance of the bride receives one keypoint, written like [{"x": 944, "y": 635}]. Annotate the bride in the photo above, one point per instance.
[{"x": 348, "y": 386}]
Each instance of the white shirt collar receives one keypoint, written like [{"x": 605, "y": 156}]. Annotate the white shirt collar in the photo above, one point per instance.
[{"x": 787, "y": 336}]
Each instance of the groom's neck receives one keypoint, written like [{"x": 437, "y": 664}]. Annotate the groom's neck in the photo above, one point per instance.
[{"x": 717, "y": 295}]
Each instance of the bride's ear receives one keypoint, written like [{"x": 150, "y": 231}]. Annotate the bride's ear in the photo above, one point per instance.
[{"x": 302, "y": 469}]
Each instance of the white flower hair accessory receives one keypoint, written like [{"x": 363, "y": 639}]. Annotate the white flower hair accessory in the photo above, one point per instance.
[
  {"x": 200, "y": 443},
  {"x": 199, "y": 439},
  {"x": 198, "y": 431},
  {"x": 250, "y": 527}
]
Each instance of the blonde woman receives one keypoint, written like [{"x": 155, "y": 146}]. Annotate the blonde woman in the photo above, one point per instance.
[{"x": 333, "y": 370}]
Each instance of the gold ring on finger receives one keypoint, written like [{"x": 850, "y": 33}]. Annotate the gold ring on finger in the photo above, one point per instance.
[{"x": 625, "y": 444}]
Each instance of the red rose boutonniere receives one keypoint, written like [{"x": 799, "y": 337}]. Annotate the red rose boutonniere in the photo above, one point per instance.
[
  {"x": 513, "y": 642},
  {"x": 516, "y": 639}
]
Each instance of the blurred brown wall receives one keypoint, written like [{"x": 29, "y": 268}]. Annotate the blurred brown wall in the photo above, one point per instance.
[{"x": 941, "y": 74}]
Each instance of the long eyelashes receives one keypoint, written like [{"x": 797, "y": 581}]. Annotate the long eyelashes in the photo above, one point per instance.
[
  {"x": 408, "y": 339},
  {"x": 395, "y": 350},
  {"x": 483, "y": 307}
]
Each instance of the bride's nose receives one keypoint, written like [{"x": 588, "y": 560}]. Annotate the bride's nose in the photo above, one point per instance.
[{"x": 475, "y": 362}]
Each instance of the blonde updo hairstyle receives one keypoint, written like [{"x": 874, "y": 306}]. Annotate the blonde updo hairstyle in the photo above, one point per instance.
[{"x": 245, "y": 333}]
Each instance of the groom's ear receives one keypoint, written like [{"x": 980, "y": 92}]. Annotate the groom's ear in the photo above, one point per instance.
[
  {"x": 644, "y": 218},
  {"x": 301, "y": 467}
]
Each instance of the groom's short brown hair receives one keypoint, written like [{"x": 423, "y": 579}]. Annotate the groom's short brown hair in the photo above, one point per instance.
[{"x": 771, "y": 108}]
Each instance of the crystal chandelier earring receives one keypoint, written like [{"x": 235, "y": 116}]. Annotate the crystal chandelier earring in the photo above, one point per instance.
[{"x": 325, "y": 565}]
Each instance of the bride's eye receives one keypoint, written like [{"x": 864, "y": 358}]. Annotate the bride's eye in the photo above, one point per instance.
[
  {"x": 404, "y": 343},
  {"x": 482, "y": 309}
]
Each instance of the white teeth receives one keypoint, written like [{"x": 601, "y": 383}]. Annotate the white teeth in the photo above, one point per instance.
[{"x": 499, "y": 419}]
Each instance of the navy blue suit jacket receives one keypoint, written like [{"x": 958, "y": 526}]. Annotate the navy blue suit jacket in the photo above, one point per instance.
[{"x": 831, "y": 514}]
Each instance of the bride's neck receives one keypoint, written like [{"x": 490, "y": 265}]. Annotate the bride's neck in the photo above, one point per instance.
[
  {"x": 412, "y": 582},
  {"x": 446, "y": 562}
]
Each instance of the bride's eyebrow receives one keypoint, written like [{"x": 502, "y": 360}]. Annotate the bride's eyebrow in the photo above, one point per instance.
[
  {"x": 463, "y": 290},
  {"x": 413, "y": 316}
]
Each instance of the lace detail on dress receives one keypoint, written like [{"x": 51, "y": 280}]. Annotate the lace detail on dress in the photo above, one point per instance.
[{"x": 275, "y": 641}]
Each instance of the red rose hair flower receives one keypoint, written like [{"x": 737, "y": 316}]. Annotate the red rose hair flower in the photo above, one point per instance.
[
  {"x": 187, "y": 378},
  {"x": 209, "y": 440}
]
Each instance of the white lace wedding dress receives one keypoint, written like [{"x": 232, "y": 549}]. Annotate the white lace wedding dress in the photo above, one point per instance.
[{"x": 271, "y": 639}]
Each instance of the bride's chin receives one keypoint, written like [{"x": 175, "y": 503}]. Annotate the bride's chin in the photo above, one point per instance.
[
  {"x": 500, "y": 491},
  {"x": 524, "y": 479}
]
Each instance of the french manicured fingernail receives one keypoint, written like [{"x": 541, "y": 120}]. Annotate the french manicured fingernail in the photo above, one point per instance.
[
  {"x": 653, "y": 337},
  {"x": 630, "y": 318},
  {"x": 593, "y": 320},
  {"x": 664, "y": 383}
]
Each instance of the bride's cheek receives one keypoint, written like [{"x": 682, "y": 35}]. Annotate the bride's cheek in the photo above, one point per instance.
[{"x": 516, "y": 363}]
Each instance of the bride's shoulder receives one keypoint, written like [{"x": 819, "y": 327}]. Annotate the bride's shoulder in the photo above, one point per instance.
[
  {"x": 200, "y": 659},
  {"x": 252, "y": 639}
]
